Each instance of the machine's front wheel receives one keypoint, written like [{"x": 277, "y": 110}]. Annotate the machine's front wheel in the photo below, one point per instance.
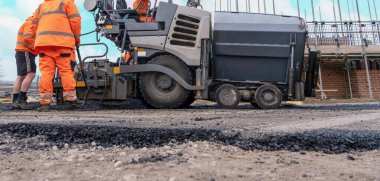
[
  {"x": 268, "y": 97},
  {"x": 161, "y": 91}
]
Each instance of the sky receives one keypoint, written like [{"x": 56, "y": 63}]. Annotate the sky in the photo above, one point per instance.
[{"x": 14, "y": 12}]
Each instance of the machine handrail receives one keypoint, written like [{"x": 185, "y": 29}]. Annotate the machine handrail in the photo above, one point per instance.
[{"x": 95, "y": 56}]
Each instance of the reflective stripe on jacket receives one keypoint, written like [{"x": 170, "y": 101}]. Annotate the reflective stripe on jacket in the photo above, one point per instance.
[
  {"x": 21, "y": 45},
  {"x": 56, "y": 23}
]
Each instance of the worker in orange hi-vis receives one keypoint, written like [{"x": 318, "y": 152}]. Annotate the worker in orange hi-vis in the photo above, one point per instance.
[
  {"x": 126, "y": 58},
  {"x": 57, "y": 27},
  {"x": 26, "y": 66},
  {"x": 142, "y": 7}
]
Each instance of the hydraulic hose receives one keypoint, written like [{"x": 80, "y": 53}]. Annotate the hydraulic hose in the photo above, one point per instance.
[
  {"x": 84, "y": 34},
  {"x": 81, "y": 66}
]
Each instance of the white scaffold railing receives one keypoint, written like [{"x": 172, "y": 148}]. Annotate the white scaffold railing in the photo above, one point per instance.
[{"x": 344, "y": 33}]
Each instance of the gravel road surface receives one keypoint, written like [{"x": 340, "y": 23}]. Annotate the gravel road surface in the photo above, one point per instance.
[{"x": 128, "y": 142}]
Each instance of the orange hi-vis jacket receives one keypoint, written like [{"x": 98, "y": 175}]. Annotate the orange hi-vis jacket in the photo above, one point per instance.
[
  {"x": 56, "y": 23},
  {"x": 21, "y": 45},
  {"x": 141, "y": 7}
]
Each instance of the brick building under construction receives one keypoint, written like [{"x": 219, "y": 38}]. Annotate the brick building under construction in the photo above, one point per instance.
[{"x": 350, "y": 66}]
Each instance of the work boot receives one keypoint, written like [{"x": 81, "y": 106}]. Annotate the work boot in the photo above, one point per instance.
[
  {"x": 43, "y": 108},
  {"x": 20, "y": 103},
  {"x": 14, "y": 106},
  {"x": 14, "y": 99},
  {"x": 72, "y": 105}
]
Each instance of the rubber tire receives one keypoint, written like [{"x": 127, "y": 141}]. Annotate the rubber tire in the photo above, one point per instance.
[
  {"x": 169, "y": 100},
  {"x": 189, "y": 101},
  {"x": 220, "y": 90},
  {"x": 261, "y": 103}
]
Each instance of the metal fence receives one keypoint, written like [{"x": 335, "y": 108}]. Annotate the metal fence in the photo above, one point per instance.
[{"x": 344, "y": 33}]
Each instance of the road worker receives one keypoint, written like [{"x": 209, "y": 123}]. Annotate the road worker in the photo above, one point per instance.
[
  {"x": 142, "y": 7},
  {"x": 57, "y": 27},
  {"x": 26, "y": 65},
  {"x": 127, "y": 58}
]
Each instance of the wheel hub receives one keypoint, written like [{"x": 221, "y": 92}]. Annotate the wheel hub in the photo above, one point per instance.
[
  {"x": 164, "y": 82},
  {"x": 268, "y": 96},
  {"x": 228, "y": 96}
]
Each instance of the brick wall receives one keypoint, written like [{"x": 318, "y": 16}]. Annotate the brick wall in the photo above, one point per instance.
[
  {"x": 336, "y": 84},
  {"x": 360, "y": 84},
  {"x": 334, "y": 78}
]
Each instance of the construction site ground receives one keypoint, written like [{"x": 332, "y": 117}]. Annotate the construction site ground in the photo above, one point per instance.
[{"x": 319, "y": 141}]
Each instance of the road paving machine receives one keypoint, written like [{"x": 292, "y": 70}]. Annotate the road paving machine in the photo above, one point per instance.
[{"x": 183, "y": 53}]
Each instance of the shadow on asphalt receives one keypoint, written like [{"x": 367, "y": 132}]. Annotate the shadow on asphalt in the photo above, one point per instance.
[{"x": 325, "y": 140}]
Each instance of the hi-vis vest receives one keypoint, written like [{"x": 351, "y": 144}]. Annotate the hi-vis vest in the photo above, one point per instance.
[
  {"x": 22, "y": 45},
  {"x": 58, "y": 23}
]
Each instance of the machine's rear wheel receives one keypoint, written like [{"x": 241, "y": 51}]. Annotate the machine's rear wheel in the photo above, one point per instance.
[
  {"x": 227, "y": 96},
  {"x": 268, "y": 97},
  {"x": 161, "y": 91}
]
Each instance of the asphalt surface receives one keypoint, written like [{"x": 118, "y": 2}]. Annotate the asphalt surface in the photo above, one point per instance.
[{"x": 337, "y": 128}]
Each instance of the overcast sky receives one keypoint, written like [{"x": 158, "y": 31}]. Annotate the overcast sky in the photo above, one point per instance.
[{"x": 14, "y": 12}]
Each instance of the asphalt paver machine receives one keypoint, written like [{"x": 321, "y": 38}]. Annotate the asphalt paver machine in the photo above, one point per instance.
[{"x": 185, "y": 53}]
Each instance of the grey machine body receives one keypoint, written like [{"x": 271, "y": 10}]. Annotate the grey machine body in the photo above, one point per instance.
[{"x": 242, "y": 51}]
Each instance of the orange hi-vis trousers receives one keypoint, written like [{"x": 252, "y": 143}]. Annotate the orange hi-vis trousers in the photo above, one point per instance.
[{"x": 50, "y": 59}]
